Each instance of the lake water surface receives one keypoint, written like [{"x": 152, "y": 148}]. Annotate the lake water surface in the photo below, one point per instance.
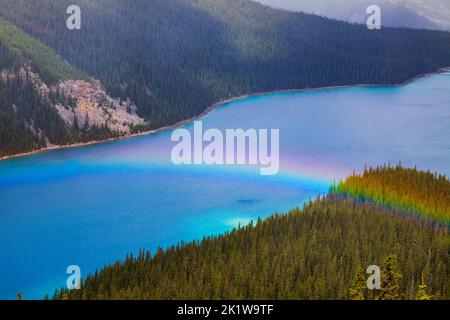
[{"x": 91, "y": 206}]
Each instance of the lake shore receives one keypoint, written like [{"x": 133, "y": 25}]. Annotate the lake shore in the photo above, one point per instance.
[{"x": 211, "y": 108}]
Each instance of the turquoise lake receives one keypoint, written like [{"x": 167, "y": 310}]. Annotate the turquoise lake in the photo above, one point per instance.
[{"x": 92, "y": 205}]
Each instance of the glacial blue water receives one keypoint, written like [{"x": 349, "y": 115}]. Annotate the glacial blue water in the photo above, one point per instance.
[{"x": 90, "y": 206}]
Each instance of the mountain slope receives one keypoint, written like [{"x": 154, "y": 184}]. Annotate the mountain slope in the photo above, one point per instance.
[
  {"x": 26, "y": 121},
  {"x": 175, "y": 58},
  {"x": 158, "y": 62},
  {"x": 43, "y": 98},
  {"x": 43, "y": 59}
]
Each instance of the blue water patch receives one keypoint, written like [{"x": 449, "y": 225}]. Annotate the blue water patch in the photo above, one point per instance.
[{"x": 91, "y": 206}]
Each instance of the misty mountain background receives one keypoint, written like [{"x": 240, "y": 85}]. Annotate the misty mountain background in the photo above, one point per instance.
[{"x": 427, "y": 14}]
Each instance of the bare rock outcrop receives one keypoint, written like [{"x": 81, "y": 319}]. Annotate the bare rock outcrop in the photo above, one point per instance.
[{"x": 95, "y": 107}]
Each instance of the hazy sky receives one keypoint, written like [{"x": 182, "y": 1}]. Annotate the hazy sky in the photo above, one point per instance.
[{"x": 414, "y": 13}]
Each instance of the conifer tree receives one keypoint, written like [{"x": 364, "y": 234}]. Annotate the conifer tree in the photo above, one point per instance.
[
  {"x": 422, "y": 293},
  {"x": 359, "y": 286},
  {"x": 390, "y": 278},
  {"x": 86, "y": 122}
]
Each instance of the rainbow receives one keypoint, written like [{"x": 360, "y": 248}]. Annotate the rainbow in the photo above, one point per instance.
[{"x": 424, "y": 194}]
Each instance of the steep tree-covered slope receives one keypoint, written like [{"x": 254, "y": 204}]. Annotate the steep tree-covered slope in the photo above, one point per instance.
[
  {"x": 27, "y": 122},
  {"x": 314, "y": 253},
  {"x": 410, "y": 190},
  {"x": 23, "y": 48},
  {"x": 37, "y": 87},
  {"x": 174, "y": 58}
]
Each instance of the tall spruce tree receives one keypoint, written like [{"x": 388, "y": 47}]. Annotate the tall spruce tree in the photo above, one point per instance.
[
  {"x": 359, "y": 286},
  {"x": 390, "y": 279},
  {"x": 422, "y": 292}
]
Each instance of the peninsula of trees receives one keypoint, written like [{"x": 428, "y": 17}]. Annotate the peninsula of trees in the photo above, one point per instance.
[{"x": 319, "y": 252}]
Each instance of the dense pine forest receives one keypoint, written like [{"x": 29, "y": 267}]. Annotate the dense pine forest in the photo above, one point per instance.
[
  {"x": 26, "y": 49},
  {"x": 175, "y": 58},
  {"x": 24, "y": 118},
  {"x": 318, "y": 252},
  {"x": 410, "y": 190}
]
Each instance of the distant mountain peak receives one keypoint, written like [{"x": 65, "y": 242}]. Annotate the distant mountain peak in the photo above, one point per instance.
[{"x": 417, "y": 14}]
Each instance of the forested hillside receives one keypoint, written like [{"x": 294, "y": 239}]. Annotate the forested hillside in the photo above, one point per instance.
[
  {"x": 319, "y": 252},
  {"x": 33, "y": 79},
  {"x": 408, "y": 190},
  {"x": 26, "y": 49},
  {"x": 27, "y": 121},
  {"x": 175, "y": 58}
]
